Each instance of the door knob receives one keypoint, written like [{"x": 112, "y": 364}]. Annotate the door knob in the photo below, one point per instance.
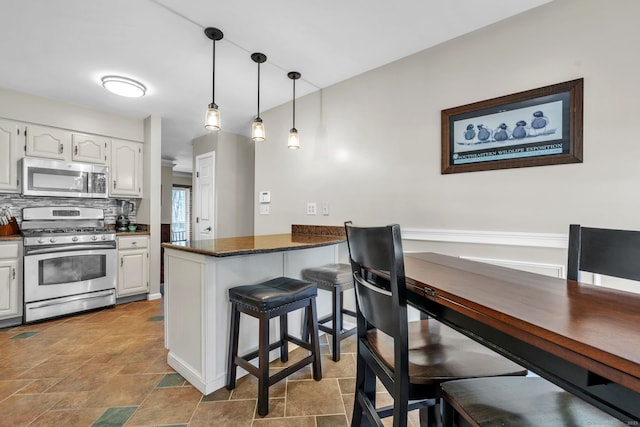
[{"x": 207, "y": 229}]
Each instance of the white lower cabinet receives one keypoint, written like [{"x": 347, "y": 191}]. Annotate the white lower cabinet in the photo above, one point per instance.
[
  {"x": 133, "y": 265},
  {"x": 10, "y": 283}
]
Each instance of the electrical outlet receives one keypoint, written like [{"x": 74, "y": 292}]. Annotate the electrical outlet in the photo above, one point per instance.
[
  {"x": 311, "y": 208},
  {"x": 264, "y": 209}
]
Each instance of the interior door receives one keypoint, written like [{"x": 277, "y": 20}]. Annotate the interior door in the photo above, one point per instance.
[{"x": 204, "y": 196}]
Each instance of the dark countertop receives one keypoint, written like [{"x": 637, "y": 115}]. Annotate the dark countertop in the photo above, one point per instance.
[
  {"x": 133, "y": 233},
  {"x": 246, "y": 245},
  {"x": 301, "y": 237}
]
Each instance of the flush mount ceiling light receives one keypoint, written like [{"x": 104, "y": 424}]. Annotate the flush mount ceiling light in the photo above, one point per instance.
[
  {"x": 212, "y": 119},
  {"x": 257, "y": 128},
  {"x": 123, "y": 86},
  {"x": 294, "y": 137}
]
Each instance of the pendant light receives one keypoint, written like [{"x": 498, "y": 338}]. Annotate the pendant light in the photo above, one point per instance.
[
  {"x": 212, "y": 119},
  {"x": 257, "y": 128},
  {"x": 294, "y": 137}
]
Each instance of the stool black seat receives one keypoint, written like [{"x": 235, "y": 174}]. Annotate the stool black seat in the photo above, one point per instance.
[
  {"x": 335, "y": 278},
  {"x": 264, "y": 301}
]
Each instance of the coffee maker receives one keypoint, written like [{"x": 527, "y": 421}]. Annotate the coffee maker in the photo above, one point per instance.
[{"x": 122, "y": 221}]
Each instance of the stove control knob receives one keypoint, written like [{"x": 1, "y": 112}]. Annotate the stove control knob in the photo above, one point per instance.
[
  {"x": 40, "y": 240},
  {"x": 104, "y": 237},
  {"x": 52, "y": 240},
  {"x": 74, "y": 238},
  {"x": 94, "y": 237}
]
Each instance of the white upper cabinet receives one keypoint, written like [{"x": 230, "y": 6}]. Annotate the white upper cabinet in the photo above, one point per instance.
[
  {"x": 125, "y": 169},
  {"x": 89, "y": 148},
  {"x": 11, "y": 150},
  {"x": 47, "y": 142}
]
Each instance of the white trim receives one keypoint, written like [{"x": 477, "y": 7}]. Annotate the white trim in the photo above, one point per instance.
[
  {"x": 553, "y": 270},
  {"x": 540, "y": 240},
  {"x": 151, "y": 297}
]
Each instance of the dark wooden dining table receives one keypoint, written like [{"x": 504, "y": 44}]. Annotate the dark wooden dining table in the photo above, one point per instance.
[{"x": 582, "y": 337}]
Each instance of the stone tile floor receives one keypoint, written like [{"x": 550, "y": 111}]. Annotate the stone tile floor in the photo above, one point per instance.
[{"x": 108, "y": 368}]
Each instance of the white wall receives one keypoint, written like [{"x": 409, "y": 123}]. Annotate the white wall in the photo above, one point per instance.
[
  {"x": 234, "y": 181},
  {"x": 32, "y": 109},
  {"x": 149, "y": 210},
  {"x": 371, "y": 144}
]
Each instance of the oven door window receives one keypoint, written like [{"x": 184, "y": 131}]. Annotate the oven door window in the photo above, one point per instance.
[{"x": 72, "y": 268}]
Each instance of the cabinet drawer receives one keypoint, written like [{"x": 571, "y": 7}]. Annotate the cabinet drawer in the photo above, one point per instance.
[
  {"x": 132, "y": 242},
  {"x": 9, "y": 250}
]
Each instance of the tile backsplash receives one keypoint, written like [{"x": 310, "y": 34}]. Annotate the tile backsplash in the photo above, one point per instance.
[{"x": 110, "y": 207}]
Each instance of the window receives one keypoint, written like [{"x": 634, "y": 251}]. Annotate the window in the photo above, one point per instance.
[{"x": 181, "y": 214}]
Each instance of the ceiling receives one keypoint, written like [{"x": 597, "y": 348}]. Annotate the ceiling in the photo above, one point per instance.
[{"x": 60, "y": 49}]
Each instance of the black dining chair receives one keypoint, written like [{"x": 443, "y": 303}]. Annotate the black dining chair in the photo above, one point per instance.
[
  {"x": 410, "y": 359},
  {"x": 536, "y": 401}
]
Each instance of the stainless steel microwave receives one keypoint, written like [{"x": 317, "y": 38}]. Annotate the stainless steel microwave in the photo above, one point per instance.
[{"x": 45, "y": 177}]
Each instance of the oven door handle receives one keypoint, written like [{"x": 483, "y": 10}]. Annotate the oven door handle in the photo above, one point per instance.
[
  {"x": 67, "y": 248},
  {"x": 69, "y": 299}
]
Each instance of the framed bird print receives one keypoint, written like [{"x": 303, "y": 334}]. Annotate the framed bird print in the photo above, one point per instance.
[{"x": 532, "y": 128}]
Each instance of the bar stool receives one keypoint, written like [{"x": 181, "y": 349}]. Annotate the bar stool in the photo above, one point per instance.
[
  {"x": 264, "y": 301},
  {"x": 335, "y": 278}
]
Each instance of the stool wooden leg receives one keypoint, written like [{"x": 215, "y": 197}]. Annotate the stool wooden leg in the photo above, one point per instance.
[
  {"x": 313, "y": 329},
  {"x": 233, "y": 347},
  {"x": 337, "y": 322},
  {"x": 263, "y": 367},
  {"x": 284, "y": 343},
  {"x": 305, "y": 328}
]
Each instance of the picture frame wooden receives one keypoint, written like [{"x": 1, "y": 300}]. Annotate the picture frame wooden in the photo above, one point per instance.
[{"x": 536, "y": 127}]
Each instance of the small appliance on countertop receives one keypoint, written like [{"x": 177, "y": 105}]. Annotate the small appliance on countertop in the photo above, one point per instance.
[{"x": 122, "y": 221}]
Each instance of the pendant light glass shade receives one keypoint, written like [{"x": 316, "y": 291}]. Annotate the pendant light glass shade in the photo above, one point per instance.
[
  {"x": 212, "y": 119},
  {"x": 294, "y": 136},
  {"x": 257, "y": 128},
  {"x": 294, "y": 139}
]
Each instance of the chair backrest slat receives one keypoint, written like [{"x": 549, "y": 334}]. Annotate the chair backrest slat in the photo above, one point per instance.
[{"x": 603, "y": 251}]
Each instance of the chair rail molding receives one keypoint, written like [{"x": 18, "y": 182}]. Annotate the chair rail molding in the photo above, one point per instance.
[{"x": 507, "y": 238}]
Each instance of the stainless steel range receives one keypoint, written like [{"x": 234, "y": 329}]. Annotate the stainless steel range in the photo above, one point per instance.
[{"x": 69, "y": 261}]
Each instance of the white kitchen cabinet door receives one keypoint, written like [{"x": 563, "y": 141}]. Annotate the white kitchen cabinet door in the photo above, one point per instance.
[
  {"x": 47, "y": 142},
  {"x": 11, "y": 149},
  {"x": 11, "y": 280},
  {"x": 133, "y": 265},
  {"x": 89, "y": 148},
  {"x": 126, "y": 169}
]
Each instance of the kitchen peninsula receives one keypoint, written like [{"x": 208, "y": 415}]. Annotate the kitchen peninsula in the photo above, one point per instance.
[{"x": 197, "y": 276}]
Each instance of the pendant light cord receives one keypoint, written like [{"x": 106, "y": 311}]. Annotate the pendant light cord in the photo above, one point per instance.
[
  {"x": 213, "y": 76},
  {"x": 294, "y": 103},
  {"x": 258, "y": 115}
]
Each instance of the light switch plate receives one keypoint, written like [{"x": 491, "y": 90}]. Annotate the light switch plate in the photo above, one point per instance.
[{"x": 265, "y": 197}]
